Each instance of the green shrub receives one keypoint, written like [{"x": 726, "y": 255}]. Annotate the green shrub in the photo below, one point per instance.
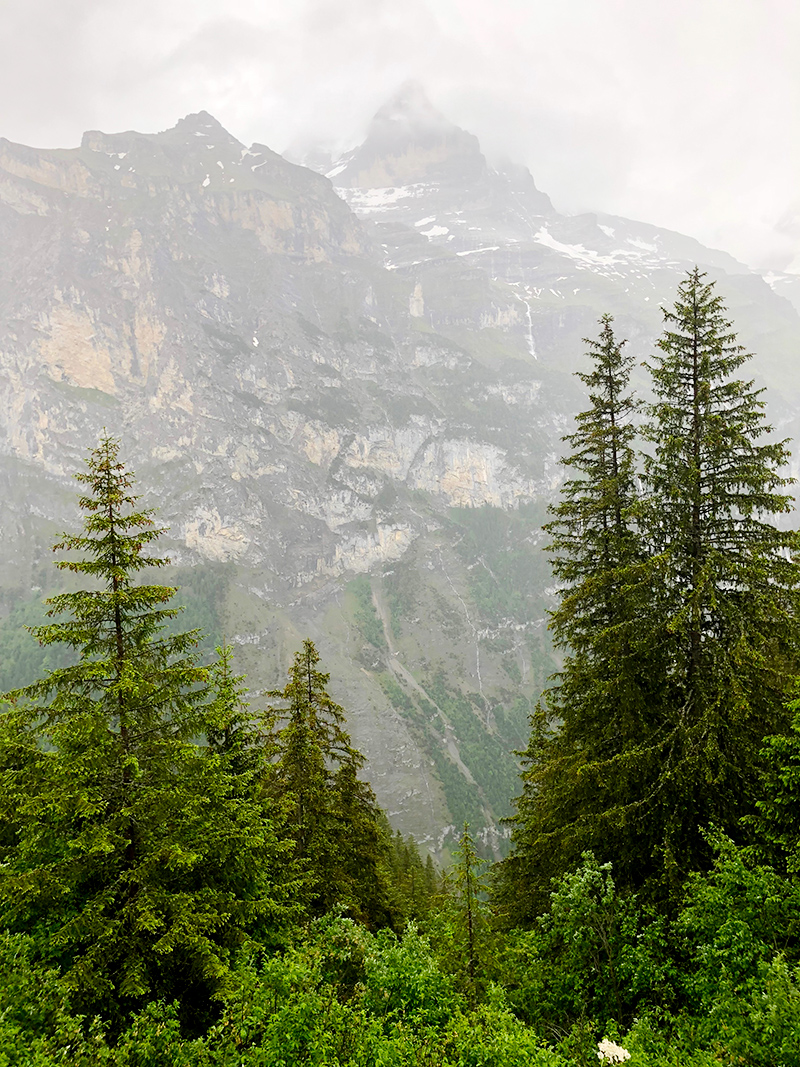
[
  {"x": 592, "y": 956},
  {"x": 37, "y": 1026},
  {"x": 403, "y": 981},
  {"x": 739, "y": 926}
]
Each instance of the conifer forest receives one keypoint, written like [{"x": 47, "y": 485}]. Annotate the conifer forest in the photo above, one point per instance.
[{"x": 194, "y": 873}]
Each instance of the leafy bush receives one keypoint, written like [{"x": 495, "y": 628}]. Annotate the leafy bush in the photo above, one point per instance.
[
  {"x": 37, "y": 1026},
  {"x": 740, "y": 925},
  {"x": 592, "y": 956},
  {"x": 403, "y": 982}
]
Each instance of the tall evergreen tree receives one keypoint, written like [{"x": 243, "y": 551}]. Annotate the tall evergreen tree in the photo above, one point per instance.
[
  {"x": 413, "y": 882},
  {"x": 727, "y": 574},
  {"x": 584, "y": 752},
  {"x": 237, "y": 736},
  {"x": 131, "y": 852},
  {"x": 333, "y": 817},
  {"x": 468, "y": 888},
  {"x": 593, "y": 535}
]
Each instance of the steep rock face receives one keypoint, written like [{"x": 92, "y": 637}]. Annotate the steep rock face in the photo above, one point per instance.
[
  {"x": 347, "y": 403},
  {"x": 228, "y": 315}
]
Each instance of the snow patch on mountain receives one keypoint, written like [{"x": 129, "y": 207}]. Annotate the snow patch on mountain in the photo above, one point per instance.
[
  {"x": 369, "y": 200},
  {"x": 641, "y": 253}
]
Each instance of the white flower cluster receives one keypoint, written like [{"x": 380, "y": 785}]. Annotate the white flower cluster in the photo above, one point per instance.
[{"x": 608, "y": 1052}]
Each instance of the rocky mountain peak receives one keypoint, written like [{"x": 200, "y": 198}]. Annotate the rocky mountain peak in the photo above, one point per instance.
[
  {"x": 427, "y": 185},
  {"x": 198, "y": 120},
  {"x": 199, "y": 124},
  {"x": 195, "y": 130},
  {"x": 408, "y": 115},
  {"x": 410, "y": 141},
  {"x": 196, "y": 149},
  {"x": 198, "y": 130}
]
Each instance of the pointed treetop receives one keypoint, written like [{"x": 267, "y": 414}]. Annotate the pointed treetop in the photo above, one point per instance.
[{"x": 115, "y": 529}]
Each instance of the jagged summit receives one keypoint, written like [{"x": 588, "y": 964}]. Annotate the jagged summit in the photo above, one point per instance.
[
  {"x": 409, "y": 114},
  {"x": 193, "y": 133},
  {"x": 199, "y": 123},
  {"x": 199, "y": 119},
  {"x": 408, "y": 141},
  {"x": 200, "y": 126},
  {"x": 419, "y": 174}
]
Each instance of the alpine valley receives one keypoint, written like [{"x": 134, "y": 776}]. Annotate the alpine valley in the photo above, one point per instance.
[{"x": 343, "y": 385}]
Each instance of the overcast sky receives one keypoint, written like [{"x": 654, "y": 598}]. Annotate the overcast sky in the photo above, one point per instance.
[{"x": 684, "y": 113}]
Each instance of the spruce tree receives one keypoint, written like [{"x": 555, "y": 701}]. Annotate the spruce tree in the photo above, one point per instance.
[
  {"x": 468, "y": 887},
  {"x": 726, "y": 575},
  {"x": 332, "y": 815},
  {"x": 431, "y": 878},
  {"x": 134, "y": 855},
  {"x": 584, "y": 757},
  {"x": 237, "y": 736},
  {"x": 414, "y": 884},
  {"x": 593, "y": 536}
]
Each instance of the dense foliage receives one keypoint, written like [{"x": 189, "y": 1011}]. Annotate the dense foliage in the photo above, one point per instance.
[{"x": 185, "y": 879}]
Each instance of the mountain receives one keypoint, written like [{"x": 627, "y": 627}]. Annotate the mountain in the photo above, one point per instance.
[{"x": 345, "y": 394}]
